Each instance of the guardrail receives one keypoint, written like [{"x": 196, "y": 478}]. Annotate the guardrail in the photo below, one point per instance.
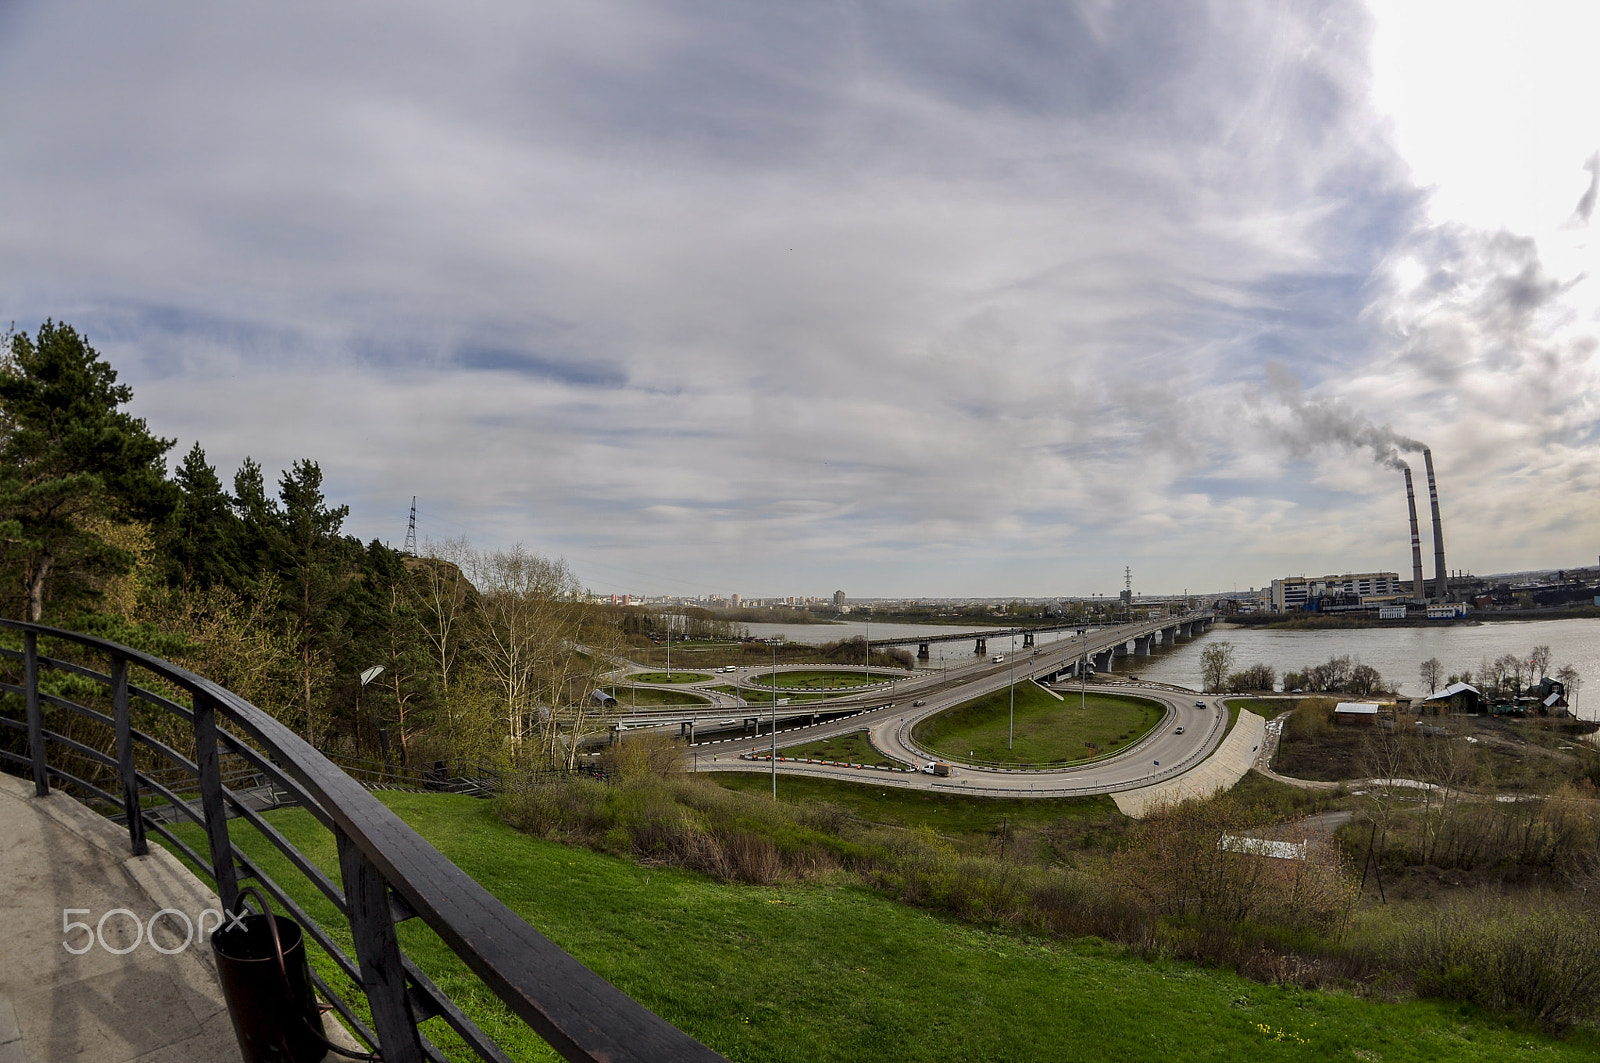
[{"x": 388, "y": 873}]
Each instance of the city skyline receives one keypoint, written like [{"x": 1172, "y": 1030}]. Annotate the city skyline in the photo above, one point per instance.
[{"x": 988, "y": 299}]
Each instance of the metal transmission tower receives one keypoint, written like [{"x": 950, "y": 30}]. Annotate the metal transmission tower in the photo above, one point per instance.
[{"x": 411, "y": 530}]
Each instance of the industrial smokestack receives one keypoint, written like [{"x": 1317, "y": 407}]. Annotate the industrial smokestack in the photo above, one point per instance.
[
  {"x": 1418, "y": 591},
  {"x": 1441, "y": 577}
]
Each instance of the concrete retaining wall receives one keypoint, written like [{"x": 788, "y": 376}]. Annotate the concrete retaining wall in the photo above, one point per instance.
[{"x": 1217, "y": 772}]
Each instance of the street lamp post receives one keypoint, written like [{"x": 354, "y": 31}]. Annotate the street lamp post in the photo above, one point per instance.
[
  {"x": 1011, "y": 728},
  {"x": 773, "y": 758},
  {"x": 383, "y": 735},
  {"x": 869, "y": 651}
]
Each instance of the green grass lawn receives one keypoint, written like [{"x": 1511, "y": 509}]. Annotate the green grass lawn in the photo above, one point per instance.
[
  {"x": 820, "y": 679},
  {"x": 649, "y": 697},
  {"x": 1047, "y": 730},
  {"x": 663, "y": 677},
  {"x": 952, "y": 815},
  {"x": 1266, "y": 708},
  {"x": 835, "y": 973},
  {"x": 853, "y": 748}
]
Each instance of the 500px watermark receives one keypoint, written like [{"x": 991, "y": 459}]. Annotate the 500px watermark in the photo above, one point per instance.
[{"x": 144, "y": 932}]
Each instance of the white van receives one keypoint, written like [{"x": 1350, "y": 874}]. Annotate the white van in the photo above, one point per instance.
[{"x": 997, "y": 658}]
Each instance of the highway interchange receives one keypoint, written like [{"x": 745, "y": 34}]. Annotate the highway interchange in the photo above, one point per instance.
[{"x": 889, "y": 716}]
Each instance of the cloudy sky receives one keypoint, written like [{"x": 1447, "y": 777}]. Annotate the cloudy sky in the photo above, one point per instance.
[{"x": 901, "y": 298}]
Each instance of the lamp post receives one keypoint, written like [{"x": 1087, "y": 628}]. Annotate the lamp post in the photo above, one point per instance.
[
  {"x": 869, "y": 651},
  {"x": 383, "y": 735},
  {"x": 772, "y": 758},
  {"x": 669, "y": 647},
  {"x": 1011, "y": 727}
]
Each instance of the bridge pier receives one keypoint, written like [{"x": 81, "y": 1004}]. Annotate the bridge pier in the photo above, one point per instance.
[
  {"x": 1120, "y": 650},
  {"x": 981, "y": 648},
  {"x": 1141, "y": 645},
  {"x": 1102, "y": 660},
  {"x": 1027, "y": 639},
  {"x": 1169, "y": 635},
  {"x": 922, "y": 651}
]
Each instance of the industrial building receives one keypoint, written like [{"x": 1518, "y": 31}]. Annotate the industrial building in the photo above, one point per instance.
[{"x": 1313, "y": 594}]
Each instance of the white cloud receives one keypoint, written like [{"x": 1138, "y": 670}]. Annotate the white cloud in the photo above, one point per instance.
[{"x": 976, "y": 301}]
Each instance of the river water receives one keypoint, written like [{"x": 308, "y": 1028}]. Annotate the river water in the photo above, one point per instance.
[{"x": 1395, "y": 652}]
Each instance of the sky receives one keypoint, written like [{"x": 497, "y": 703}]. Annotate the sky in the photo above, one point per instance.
[{"x": 909, "y": 300}]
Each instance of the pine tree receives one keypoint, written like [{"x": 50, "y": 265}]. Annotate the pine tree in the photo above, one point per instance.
[
  {"x": 313, "y": 561},
  {"x": 70, "y": 456},
  {"x": 201, "y": 536}
]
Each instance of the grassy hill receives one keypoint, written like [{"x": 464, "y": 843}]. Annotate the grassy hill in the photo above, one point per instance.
[{"x": 828, "y": 972}]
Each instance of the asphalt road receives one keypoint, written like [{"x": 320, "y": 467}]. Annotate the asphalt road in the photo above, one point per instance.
[
  {"x": 1163, "y": 754},
  {"x": 889, "y": 715}
]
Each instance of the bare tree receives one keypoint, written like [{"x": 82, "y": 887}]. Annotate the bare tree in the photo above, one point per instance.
[
  {"x": 1215, "y": 662},
  {"x": 439, "y": 597},
  {"x": 1569, "y": 678},
  {"x": 1364, "y": 680},
  {"x": 1539, "y": 661},
  {"x": 1432, "y": 671},
  {"x": 1451, "y": 766},
  {"x": 521, "y": 630}
]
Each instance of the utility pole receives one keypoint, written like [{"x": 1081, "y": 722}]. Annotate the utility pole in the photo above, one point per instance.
[
  {"x": 869, "y": 651},
  {"x": 1011, "y": 727},
  {"x": 773, "y": 758}
]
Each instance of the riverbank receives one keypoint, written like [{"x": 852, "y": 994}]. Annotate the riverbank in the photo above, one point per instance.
[{"x": 1334, "y": 622}]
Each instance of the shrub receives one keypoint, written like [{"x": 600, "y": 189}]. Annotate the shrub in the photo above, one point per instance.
[{"x": 1536, "y": 960}]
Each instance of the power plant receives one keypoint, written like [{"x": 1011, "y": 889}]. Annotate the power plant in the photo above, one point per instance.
[
  {"x": 1441, "y": 579},
  {"x": 1417, "y": 590},
  {"x": 1380, "y": 593}
]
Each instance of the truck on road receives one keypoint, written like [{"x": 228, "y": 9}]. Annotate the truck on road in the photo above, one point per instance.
[{"x": 936, "y": 767}]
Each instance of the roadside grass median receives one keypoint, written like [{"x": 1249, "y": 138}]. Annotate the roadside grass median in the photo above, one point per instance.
[
  {"x": 663, "y": 677},
  {"x": 820, "y": 679},
  {"x": 854, "y": 748},
  {"x": 652, "y": 697},
  {"x": 1048, "y": 730}
]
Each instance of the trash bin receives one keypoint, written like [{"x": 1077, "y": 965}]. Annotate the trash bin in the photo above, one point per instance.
[{"x": 267, "y": 985}]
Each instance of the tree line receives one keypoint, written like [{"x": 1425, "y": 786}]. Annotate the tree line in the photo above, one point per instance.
[{"x": 454, "y": 653}]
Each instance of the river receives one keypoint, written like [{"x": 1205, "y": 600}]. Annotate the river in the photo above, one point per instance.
[{"x": 1395, "y": 652}]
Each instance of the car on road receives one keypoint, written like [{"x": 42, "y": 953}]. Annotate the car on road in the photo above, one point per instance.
[
  {"x": 1178, "y": 731},
  {"x": 919, "y": 703},
  {"x": 1199, "y": 704},
  {"x": 997, "y": 658}
]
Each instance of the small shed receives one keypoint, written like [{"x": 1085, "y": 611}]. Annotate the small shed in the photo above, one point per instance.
[
  {"x": 1457, "y": 697},
  {"x": 1355, "y": 713}
]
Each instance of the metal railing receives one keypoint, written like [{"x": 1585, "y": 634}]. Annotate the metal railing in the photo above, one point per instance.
[{"x": 387, "y": 872}]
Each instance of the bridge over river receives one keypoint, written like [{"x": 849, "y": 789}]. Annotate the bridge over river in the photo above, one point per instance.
[{"x": 1167, "y": 628}]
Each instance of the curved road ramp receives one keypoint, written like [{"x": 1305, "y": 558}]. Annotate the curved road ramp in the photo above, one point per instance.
[{"x": 1218, "y": 772}]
